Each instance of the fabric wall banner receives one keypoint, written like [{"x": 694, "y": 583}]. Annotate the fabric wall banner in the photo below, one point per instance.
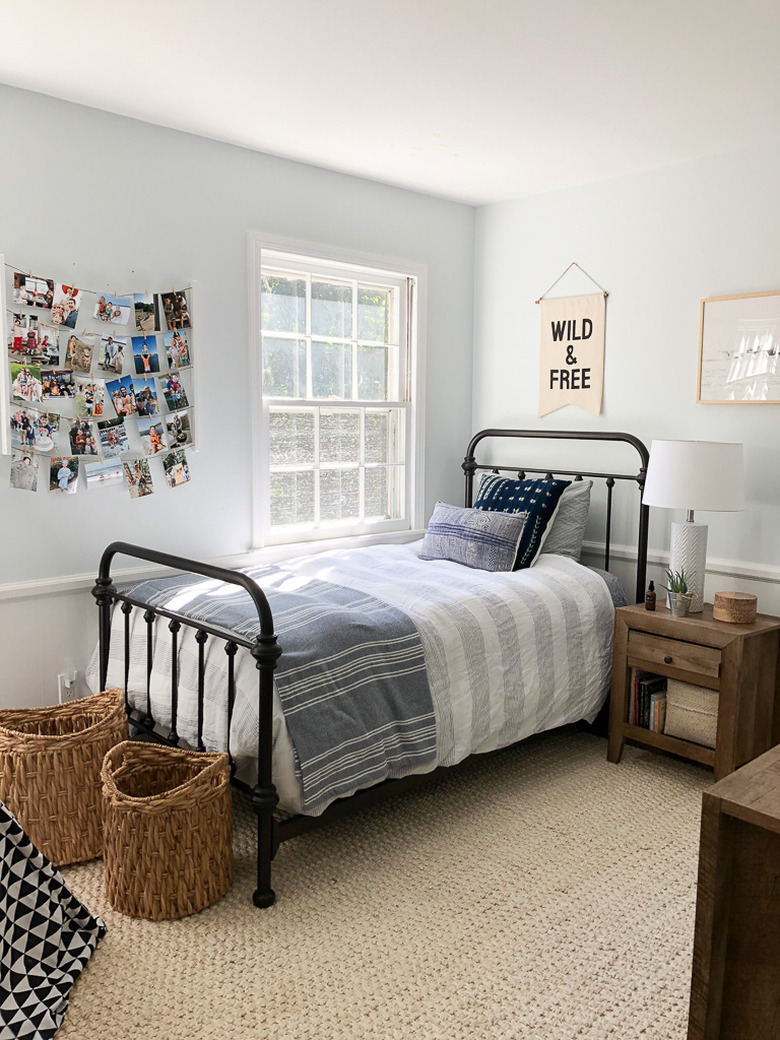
[{"x": 571, "y": 352}]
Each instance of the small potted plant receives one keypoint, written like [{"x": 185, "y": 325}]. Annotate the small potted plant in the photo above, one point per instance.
[{"x": 678, "y": 596}]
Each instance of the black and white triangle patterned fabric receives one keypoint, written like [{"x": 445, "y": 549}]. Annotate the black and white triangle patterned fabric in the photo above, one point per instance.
[{"x": 46, "y": 938}]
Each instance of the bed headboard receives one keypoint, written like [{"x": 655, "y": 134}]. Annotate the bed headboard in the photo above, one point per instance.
[{"x": 471, "y": 467}]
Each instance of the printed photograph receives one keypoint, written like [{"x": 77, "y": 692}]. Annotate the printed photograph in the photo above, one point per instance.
[
  {"x": 17, "y": 333},
  {"x": 82, "y": 438},
  {"x": 24, "y": 470},
  {"x": 47, "y": 426},
  {"x": 23, "y": 426},
  {"x": 58, "y": 383},
  {"x": 64, "y": 476},
  {"x": 174, "y": 393},
  {"x": 32, "y": 291},
  {"x": 152, "y": 436},
  {"x": 26, "y": 385},
  {"x": 116, "y": 309},
  {"x": 48, "y": 352},
  {"x": 145, "y": 356},
  {"x": 176, "y": 469},
  {"x": 145, "y": 396},
  {"x": 28, "y": 340},
  {"x": 175, "y": 310},
  {"x": 179, "y": 432},
  {"x": 103, "y": 474},
  {"x": 139, "y": 478},
  {"x": 90, "y": 395},
  {"x": 146, "y": 313},
  {"x": 34, "y": 431},
  {"x": 122, "y": 397},
  {"x": 112, "y": 354},
  {"x": 79, "y": 354},
  {"x": 178, "y": 349},
  {"x": 112, "y": 437},
  {"x": 65, "y": 309}
]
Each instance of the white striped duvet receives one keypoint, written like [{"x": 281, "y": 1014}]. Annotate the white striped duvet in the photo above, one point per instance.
[{"x": 507, "y": 654}]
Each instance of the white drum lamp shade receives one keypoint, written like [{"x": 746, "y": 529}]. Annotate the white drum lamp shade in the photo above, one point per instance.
[{"x": 693, "y": 475}]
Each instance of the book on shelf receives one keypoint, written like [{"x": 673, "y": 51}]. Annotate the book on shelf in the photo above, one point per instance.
[
  {"x": 648, "y": 693},
  {"x": 657, "y": 711}
]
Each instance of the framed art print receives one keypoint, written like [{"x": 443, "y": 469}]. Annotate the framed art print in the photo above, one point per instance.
[{"x": 739, "y": 349}]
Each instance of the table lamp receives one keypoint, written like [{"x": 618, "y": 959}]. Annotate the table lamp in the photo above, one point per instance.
[{"x": 693, "y": 475}]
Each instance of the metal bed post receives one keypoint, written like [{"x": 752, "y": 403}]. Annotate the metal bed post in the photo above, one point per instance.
[
  {"x": 266, "y": 652},
  {"x": 104, "y": 591}
]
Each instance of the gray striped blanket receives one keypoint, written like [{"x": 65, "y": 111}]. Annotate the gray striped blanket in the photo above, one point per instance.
[{"x": 351, "y": 679}]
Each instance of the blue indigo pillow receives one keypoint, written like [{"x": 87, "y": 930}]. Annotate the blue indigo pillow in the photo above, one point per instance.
[
  {"x": 487, "y": 541},
  {"x": 538, "y": 498}
]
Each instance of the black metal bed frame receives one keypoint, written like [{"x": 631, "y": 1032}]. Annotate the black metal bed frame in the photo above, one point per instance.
[{"x": 265, "y": 649}]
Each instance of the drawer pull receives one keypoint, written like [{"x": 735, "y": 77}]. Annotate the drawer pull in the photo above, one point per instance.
[{"x": 667, "y": 659}]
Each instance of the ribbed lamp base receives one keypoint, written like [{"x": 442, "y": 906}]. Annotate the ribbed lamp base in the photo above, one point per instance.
[{"x": 688, "y": 551}]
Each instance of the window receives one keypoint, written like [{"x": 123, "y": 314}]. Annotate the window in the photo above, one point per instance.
[{"x": 338, "y": 427}]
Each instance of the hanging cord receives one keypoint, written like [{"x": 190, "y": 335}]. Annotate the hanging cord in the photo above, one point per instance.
[
  {"x": 95, "y": 292},
  {"x": 572, "y": 264}
]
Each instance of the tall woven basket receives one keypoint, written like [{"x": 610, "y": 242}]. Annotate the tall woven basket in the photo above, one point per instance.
[
  {"x": 50, "y": 762},
  {"x": 168, "y": 829}
]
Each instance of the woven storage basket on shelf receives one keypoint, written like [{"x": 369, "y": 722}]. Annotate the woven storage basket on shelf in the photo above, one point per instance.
[
  {"x": 168, "y": 829},
  {"x": 691, "y": 712},
  {"x": 50, "y": 762}
]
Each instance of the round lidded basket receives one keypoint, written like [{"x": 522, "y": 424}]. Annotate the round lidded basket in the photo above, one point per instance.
[
  {"x": 50, "y": 763},
  {"x": 739, "y": 608},
  {"x": 168, "y": 829}
]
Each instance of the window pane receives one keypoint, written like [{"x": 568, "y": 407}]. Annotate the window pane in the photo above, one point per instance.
[
  {"x": 372, "y": 373},
  {"x": 282, "y": 303},
  {"x": 292, "y": 498},
  {"x": 340, "y": 494},
  {"x": 331, "y": 309},
  {"x": 374, "y": 311},
  {"x": 331, "y": 370},
  {"x": 340, "y": 437},
  {"x": 378, "y": 436},
  {"x": 376, "y": 494},
  {"x": 384, "y": 492},
  {"x": 291, "y": 437},
  {"x": 284, "y": 367}
]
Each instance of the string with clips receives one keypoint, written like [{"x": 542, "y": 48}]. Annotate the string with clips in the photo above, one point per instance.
[
  {"x": 560, "y": 276},
  {"x": 71, "y": 290}
]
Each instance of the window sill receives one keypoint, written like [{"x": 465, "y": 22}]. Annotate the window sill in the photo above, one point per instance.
[{"x": 291, "y": 550}]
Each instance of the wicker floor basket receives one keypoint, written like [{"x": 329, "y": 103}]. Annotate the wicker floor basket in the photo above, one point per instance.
[
  {"x": 168, "y": 829},
  {"x": 50, "y": 762}
]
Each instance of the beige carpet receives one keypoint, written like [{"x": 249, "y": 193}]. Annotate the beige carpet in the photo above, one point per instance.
[{"x": 540, "y": 894}]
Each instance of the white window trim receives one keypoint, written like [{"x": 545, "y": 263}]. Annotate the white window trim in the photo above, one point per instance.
[{"x": 257, "y": 242}]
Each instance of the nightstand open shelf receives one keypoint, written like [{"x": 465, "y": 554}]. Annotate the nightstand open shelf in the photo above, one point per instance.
[{"x": 739, "y": 662}]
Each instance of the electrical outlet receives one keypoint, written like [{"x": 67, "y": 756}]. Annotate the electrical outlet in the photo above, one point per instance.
[{"x": 66, "y": 686}]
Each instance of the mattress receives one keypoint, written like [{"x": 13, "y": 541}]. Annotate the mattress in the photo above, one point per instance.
[{"x": 506, "y": 654}]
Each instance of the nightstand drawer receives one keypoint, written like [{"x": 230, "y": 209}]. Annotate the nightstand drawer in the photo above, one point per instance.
[{"x": 655, "y": 653}]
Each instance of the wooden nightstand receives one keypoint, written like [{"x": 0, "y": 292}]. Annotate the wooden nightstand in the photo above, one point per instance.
[{"x": 740, "y": 662}]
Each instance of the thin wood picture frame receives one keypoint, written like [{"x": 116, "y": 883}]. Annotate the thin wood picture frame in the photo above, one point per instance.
[{"x": 739, "y": 349}]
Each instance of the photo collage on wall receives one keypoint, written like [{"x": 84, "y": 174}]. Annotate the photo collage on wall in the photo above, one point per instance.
[{"x": 101, "y": 383}]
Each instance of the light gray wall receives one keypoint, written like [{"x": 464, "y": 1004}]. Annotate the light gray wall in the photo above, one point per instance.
[
  {"x": 115, "y": 203},
  {"x": 659, "y": 242}
]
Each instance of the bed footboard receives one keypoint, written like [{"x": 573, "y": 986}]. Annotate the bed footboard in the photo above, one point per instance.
[{"x": 264, "y": 649}]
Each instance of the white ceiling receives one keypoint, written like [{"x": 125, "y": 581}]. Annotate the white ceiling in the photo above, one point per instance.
[{"x": 473, "y": 100}]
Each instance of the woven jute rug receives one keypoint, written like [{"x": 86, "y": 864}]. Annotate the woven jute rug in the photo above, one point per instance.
[{"x": 540, "y": 893}]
